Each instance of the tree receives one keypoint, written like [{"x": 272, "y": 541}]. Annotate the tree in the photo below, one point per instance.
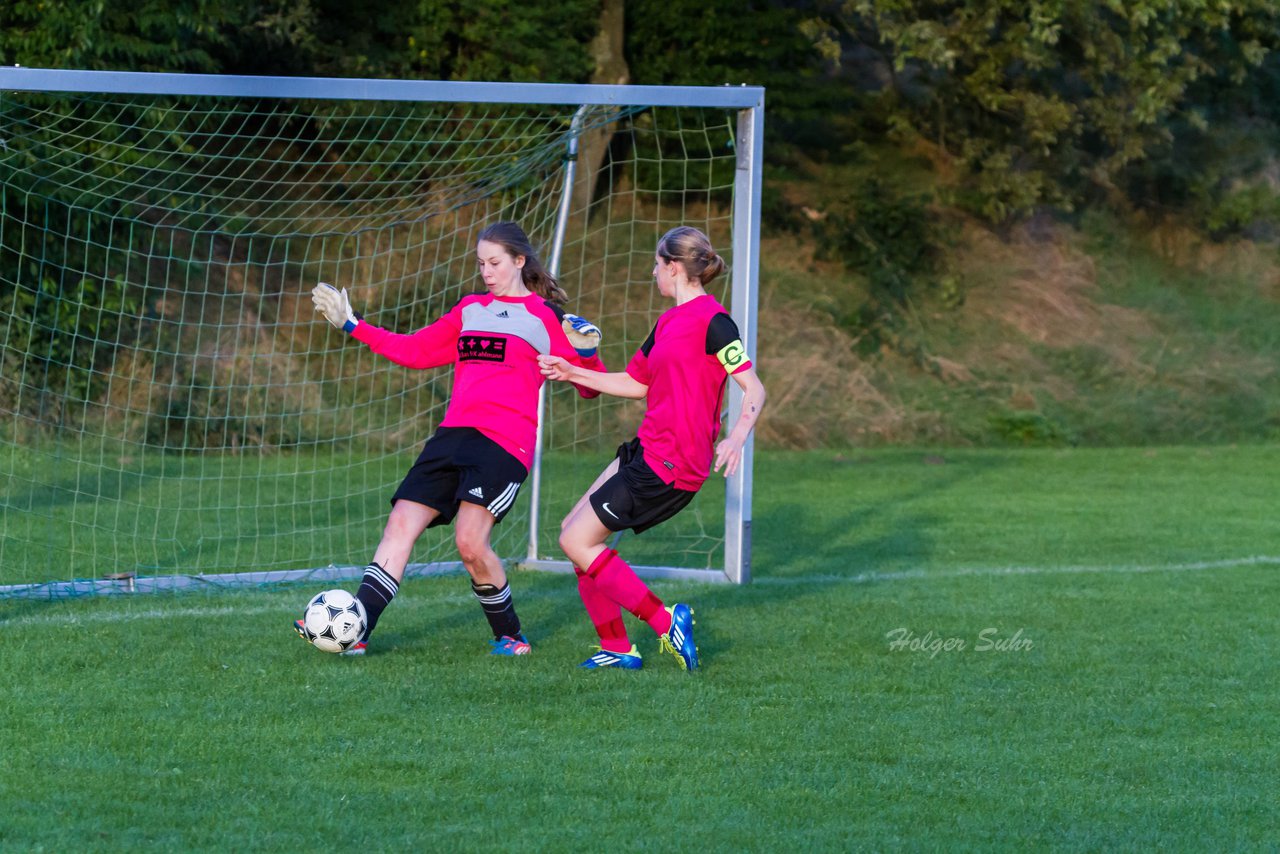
[
  {"x": 1047, "y": 101},
  {"x": 437, "y": 39},
  {"x": 146, "y": 36},
  {"x": 608, "y": 53},
  {"x": 502, "y": 40}
]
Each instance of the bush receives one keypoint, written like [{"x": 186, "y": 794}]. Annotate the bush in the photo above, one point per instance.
[
  {"x": 59, "y": 343},
  {"x": 258, "y": 400},
  {"x": 893, "y": 242}
]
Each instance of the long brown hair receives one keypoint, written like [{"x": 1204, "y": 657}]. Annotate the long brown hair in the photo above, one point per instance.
[
  {"x": 692, "y": 248},
  {"x": 512, "y": 238}
]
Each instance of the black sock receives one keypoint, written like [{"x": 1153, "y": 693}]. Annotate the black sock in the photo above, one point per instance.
[
  {"x": 377, "y": 589},
  {"x": 498, "y": 608}
]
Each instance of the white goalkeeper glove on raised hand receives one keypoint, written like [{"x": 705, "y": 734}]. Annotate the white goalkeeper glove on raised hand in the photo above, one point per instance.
[
  {"x": 335, "y": 306},
  {"x": 582, "y": 334}
]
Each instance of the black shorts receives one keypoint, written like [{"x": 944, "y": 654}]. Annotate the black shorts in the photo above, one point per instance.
[
  {"x": 635, "y": 497},
  {"x": 462, "y": 464}
]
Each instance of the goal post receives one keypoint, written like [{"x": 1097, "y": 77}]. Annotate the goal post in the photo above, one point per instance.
[{"x": 177, "y": 416}]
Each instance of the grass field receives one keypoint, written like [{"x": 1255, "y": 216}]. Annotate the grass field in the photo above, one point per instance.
[
  {"x": 88, "y": 513},
  {"x": 1061, "y": 649}
]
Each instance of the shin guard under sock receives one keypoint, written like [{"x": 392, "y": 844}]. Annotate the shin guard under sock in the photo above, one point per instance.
[
  {"x": 605, "y": 615},
  {"x": 617, "y": 580},
  {"x": 498, "y": 609}
]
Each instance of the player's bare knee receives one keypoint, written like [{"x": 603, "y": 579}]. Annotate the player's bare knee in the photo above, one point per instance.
[
  {"x": 472, "y": 550},
  {"x": 572, "y": 546}
]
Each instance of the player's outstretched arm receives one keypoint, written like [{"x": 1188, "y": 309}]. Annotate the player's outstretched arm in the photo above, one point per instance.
[
  {"x": 335, "y": 306},
  {"x": 729, "y": 451},
  {"x": 617, "y": 384},
  {"x": 429, "y": 347}
]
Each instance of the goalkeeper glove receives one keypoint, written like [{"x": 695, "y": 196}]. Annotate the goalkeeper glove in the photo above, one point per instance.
[
  {"x": 582, "y": 334},
  {"x": 335, "y": 306}
]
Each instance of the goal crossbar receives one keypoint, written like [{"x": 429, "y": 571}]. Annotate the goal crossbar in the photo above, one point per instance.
[{"x": 20, "y": 79}]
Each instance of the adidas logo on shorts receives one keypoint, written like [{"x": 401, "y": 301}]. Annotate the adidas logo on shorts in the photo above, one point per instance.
[{"x": 477, "y": 492}]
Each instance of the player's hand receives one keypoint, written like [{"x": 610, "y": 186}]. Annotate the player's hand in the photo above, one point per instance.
[
  {"x": 729, "y": 455},
  {"x": 555, "y": 367},
  {"x": 582, "y": 334},
  {"x": 335, "y": 306}
]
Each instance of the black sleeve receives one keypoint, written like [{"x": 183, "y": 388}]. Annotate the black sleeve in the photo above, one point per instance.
[
  {"x": 647, "y": 346},
  {"x": 721, "y": 332},
  {"x": 555, "y": 309}
]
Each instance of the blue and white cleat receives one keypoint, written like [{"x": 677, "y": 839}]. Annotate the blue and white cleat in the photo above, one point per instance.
[
  {"x": 679, "y": 638},
  {"x": 624, "y": 660},
  {"x": 507, "y": 645}
]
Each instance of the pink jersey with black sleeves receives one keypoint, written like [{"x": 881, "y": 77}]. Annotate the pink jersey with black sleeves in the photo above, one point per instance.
[
  {"x": 686, "y": 362},
  {"x": 493, "y": 343}
]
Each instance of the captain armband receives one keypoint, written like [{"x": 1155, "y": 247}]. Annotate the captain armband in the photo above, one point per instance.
[{"x": 732, "y": 356}]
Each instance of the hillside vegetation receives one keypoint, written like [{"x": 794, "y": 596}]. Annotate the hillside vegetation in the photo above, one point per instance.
[
  {"x": 985, "y": 222},
  {"x": 1093, "y": 332}
]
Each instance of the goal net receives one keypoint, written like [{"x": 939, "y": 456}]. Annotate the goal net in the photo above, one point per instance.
[{"x": 174, "y": 413}]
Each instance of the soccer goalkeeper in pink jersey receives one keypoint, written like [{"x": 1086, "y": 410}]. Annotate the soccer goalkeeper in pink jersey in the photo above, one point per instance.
[
  {"x": 681, "y": 370},
  {"x": 470, "y": 471}
]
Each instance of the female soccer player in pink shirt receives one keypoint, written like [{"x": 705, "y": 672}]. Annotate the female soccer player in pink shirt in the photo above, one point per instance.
[
  {"x": 470, "y": 471},
  {"x": 681, "y": 371}
]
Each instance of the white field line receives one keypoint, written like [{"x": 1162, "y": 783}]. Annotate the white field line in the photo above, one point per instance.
[
  {"x": 209, "y": 611},
  {"x": 1000, "y": 571}
]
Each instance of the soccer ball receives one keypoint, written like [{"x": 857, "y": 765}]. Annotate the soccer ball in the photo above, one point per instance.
[{"x": 334, "y": 621}]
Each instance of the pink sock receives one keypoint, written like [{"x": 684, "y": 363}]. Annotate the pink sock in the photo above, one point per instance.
[
  {"x": 605, "y": 615},
  {"x": 615, "y": 579}
]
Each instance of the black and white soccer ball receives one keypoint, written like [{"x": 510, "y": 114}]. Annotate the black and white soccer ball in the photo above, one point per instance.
[{"x": 334, "y": 621}]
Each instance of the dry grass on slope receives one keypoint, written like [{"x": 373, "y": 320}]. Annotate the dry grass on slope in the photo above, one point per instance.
[{"x": 1158, "y": 337}]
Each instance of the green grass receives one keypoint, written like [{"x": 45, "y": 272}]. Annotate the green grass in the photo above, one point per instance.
[
  {"x": 87, "y": 512},
  {"x": 1143, "y": 715}
]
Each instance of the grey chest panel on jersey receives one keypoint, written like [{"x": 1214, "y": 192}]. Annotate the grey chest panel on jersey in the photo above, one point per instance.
[{"x": 504, "y": 318}]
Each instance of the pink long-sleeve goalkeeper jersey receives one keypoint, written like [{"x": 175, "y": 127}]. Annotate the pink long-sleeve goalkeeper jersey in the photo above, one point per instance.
[
  {"x": 493, "y": 343},
  {"x": 685, "y": 362}
]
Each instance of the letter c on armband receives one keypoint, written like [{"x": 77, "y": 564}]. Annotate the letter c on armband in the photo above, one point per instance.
[{"x": 732, "y": 355}]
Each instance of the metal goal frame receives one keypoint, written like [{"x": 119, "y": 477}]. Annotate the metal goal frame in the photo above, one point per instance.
[{"x": 747, "y": 101}]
